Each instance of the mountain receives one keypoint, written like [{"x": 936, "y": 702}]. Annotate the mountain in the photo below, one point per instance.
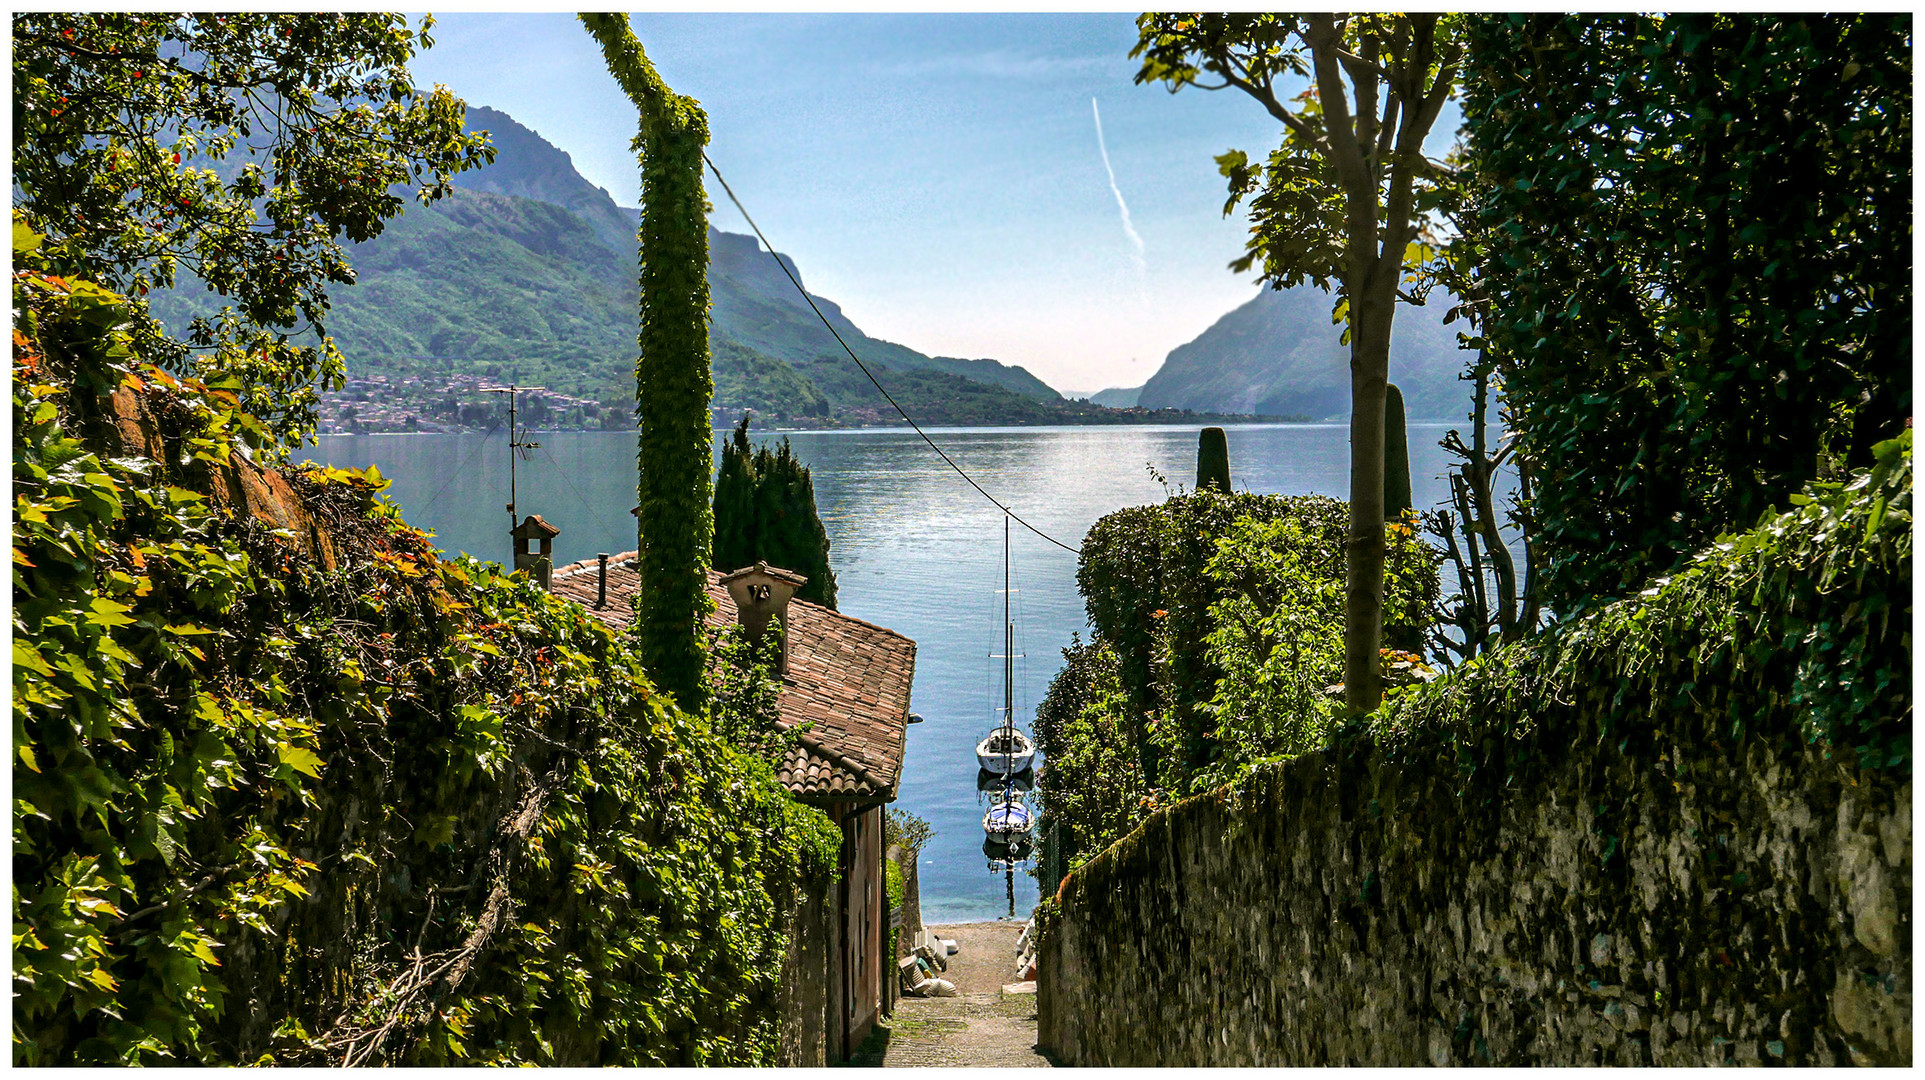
[
  {"x": 1117, "y": 397},
  {"x": 526, "y": 273},
  {"x": 754, "y": 303},
  {"x": 1280, "y": 354},
  {"x": 530, "y": 167}
]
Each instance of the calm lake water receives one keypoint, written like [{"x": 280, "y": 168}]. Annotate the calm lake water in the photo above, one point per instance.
[{"x": 914, "y": 549}]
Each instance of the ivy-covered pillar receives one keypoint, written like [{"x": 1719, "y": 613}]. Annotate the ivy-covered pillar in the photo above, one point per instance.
[{"x": 673, "y": 383}]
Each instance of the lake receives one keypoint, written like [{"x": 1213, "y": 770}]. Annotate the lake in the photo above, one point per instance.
[{"x": 914, "y": 548}]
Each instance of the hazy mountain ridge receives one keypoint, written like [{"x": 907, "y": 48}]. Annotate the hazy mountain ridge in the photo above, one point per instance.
[{"x": 1280, "y": 354}]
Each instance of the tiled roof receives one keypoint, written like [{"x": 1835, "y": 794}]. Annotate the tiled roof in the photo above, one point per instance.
[{"x": 847, "y": 679}]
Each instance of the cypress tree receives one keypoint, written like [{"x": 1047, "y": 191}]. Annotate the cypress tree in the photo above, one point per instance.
[
  {"x": 1213, "y": 460},
  {"x": 1396, "y": 455},
  {"x": 734, "y": 546},
  {"x": 765, "y": 511}
]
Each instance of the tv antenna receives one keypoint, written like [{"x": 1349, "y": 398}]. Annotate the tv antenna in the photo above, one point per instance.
[{"x": 518, "y": 444}]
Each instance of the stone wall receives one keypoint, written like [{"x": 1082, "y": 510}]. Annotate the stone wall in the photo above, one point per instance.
[
  {"x": 807, "y": 975},
  {"x": 1740, "y": 903}
]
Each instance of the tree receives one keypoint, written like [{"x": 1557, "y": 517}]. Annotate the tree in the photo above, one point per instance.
[
  {"x": 1495, "y": 602},
  {"x": 673, "y": 383},
  {"x": 1341, "y": 201},
  {"x": 765, "y": 512},
  {"x": 241, "y": 149},
  {"x": 1698, "y": 233}
]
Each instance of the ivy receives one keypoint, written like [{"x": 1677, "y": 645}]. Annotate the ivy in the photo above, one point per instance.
[
  {"x": 323, "y": 798},
  {"x": 1799, "y": 627},
  {"x": 673, "y": 382}
]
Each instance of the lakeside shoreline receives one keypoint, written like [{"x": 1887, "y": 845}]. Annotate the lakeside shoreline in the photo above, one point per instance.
[{"x": 863, "y": 429}]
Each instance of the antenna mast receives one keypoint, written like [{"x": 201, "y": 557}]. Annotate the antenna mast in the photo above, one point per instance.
[{"x": 519, "y": 447}]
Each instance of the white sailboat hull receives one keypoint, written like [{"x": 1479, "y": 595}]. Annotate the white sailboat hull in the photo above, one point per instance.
[
  {"x": 1004, "y": 758},
  {"x": 1006, "y": 819}
]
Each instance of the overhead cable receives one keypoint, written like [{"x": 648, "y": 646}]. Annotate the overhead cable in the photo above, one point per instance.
[{"x": 1000, "y": 505}]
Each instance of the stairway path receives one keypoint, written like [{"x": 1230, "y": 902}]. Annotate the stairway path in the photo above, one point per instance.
[{"x": 983, "y": 1026}]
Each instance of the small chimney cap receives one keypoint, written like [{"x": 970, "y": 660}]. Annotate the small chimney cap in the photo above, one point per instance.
[
  {"x": 789, "y": 577},
  {"x": 534, "y": 528}
]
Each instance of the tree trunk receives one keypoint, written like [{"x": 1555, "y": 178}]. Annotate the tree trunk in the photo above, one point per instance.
[{"x": 1370, "y": 317}]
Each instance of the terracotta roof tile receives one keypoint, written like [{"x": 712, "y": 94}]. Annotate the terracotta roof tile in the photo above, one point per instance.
[{"x": 848, "y": 680}]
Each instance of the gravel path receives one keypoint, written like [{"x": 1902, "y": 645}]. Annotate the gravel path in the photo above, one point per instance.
[{"x": 981, "y": 1027}]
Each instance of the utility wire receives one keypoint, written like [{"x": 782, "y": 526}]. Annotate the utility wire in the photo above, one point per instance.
[
  {"x": 583, "y": 499},
  {"x": 462, "y": 468},
  {"x": 865, "y": 368}
]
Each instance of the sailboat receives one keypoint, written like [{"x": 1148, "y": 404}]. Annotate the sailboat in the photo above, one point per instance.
[{"x": 1006, "y": 753}]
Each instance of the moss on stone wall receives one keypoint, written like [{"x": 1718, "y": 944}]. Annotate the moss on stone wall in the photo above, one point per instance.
[{"x": 1675, "y": 832}]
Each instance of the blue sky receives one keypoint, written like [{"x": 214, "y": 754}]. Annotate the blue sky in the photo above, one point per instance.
[{"x": 937, "y": 175}]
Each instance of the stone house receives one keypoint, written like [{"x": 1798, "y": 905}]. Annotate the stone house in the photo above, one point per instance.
[{"x": 848, "y": 681}]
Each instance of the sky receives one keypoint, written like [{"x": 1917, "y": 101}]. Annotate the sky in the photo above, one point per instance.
[{"x": 939, "y": 176}]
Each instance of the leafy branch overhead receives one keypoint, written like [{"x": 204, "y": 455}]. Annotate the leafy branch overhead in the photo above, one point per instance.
[
  {"x": 237, "y": 149},
  {"x": 1343, "y": 148}
]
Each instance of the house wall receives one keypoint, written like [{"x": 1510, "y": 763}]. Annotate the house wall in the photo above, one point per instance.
[{"x": 865, "y": 920}]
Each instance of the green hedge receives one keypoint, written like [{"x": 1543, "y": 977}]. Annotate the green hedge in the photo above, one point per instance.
[
  {"x": 397, "y": 810},
  {"x": 1799, "y": 628},
  {"x": 1219, "y": 622}
]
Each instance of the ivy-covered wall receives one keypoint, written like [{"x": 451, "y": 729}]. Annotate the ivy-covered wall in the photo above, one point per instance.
[{"x": 1677, "y": 832}]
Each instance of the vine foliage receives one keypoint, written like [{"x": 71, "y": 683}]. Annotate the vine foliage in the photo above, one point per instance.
[
  {"x": 673, "y": 380},
  {"x": 289, "y": 789}
]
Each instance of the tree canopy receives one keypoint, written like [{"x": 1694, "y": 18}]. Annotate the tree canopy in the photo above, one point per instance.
[
  {"x": 1341, "y": 202},
  {"x": 239, "y": 149},
  {"x": 1697, "y": 244}
]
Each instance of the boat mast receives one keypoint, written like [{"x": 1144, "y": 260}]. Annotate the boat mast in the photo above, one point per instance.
[{"x": 1009, "y": 647}]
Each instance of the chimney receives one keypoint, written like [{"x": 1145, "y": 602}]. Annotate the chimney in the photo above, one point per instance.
[
  {"x": 601, "y": 582},
  {"x": 761, "y": 594},
  {"x": 540, "y": 564}
]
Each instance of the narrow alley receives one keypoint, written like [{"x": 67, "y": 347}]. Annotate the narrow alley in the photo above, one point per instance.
[{"x": 990, "y": 1023}]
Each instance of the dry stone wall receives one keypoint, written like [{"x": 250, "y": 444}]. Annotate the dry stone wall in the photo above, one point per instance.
[
  {"x": 1744, "y": 903},
  {"x": 1675, "y": 831}
]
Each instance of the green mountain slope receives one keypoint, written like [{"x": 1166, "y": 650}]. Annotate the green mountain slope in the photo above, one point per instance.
[
  {"x": 1280, "y": 354},
  {"x": 755, "y": 304},
  {"x": 527, "y": 274}
]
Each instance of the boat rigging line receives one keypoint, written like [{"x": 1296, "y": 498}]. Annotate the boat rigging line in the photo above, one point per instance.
[{"x": 865, "y": 368}]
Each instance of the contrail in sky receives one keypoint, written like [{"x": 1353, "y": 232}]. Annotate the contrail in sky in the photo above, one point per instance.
[{"x": 1135, "y": 240}]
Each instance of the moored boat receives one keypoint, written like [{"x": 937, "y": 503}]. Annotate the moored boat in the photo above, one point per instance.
[
  {"x": 1005, "y": 751},
  {"x": 1007, "y": 816},
  {"x": 991, "y": 782}
]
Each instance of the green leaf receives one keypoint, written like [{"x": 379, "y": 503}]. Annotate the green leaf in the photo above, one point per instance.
[
  {"x": 300, "y": 759},
  {"x": 25, "y": 240},
  {"x": 105, "y": 613}
]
